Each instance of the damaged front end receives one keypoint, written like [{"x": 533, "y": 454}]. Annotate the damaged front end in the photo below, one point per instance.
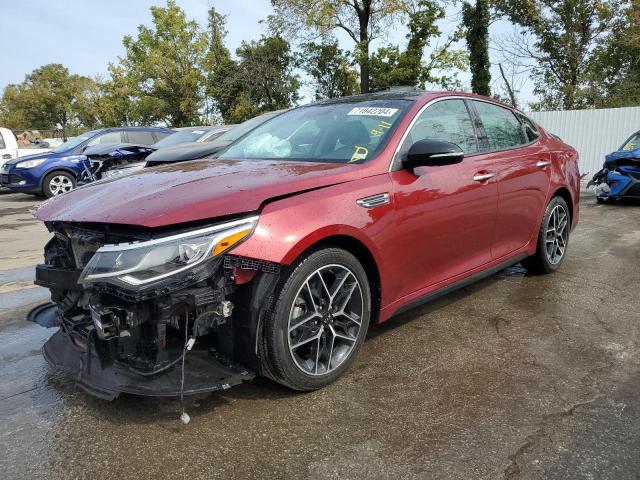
[
  {"x": 619, "y": 178},
  {"x": 151, "y": 314}
]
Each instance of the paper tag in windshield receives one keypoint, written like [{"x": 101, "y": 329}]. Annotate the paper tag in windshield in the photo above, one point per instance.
[{"x": 373, "y": 111}]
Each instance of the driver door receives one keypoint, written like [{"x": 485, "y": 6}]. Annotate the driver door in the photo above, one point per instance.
[{"x": 447, "y": 212}]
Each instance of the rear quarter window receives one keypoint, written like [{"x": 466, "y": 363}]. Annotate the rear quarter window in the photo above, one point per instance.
[
  {"x": 2, "y": 144},
  {"x": 501, "y": 126},
  {"x": 141, "y": 138}
]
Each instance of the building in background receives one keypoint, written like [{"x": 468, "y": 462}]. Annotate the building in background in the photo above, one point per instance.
[{"x": 594, "y": 133}]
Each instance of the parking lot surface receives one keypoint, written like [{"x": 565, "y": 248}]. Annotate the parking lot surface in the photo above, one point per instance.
[{"x": 514, "y": 377}]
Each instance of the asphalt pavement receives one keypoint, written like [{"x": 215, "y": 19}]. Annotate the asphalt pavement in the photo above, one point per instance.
[{"x": 515, "y": 377}]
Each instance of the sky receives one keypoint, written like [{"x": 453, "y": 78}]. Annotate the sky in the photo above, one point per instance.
[{"x": 85, "y": 35}]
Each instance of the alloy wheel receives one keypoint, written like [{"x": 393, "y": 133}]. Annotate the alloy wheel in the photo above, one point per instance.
[
  {"x": 60, "y": 184},
  {"x": 557, "y": 234},
  {"x": 325, "y": 320}
]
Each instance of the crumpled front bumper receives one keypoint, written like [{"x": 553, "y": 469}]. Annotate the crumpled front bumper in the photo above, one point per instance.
[{"x": 203, "y": 373}]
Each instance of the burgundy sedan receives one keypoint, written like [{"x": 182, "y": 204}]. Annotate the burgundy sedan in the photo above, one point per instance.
[{"x": 275, "y": 257}]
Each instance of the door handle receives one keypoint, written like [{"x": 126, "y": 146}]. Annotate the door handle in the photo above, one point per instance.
[
  {"x": 543, "y": 163},
  {"x": 6, "y": 156},
  {"x": 483, "y": 177}
]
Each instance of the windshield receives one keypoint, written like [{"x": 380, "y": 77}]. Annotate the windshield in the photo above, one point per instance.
[
  {"x": 187, "y": 135},
  {"x": 632, "y": 143},
  {"x": 74, "y": 142},
  {"x": 236, "y": 132},
  {"x": 337, "y": 133}
]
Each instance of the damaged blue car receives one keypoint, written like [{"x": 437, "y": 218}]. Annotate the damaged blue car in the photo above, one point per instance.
[{"x": 620, "y": 174}]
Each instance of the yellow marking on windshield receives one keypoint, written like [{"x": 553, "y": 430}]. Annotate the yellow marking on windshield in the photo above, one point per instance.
[{"x": 360, "y": 153}]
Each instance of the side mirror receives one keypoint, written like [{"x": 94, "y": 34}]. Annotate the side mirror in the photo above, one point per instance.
[{"x": 433, "y": 153}]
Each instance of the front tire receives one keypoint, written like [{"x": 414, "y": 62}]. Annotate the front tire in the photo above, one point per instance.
[
  {"x": 57, "y": 183},
  {"x": 553, "y": 239},
  {"x": 319, "y": 320}
]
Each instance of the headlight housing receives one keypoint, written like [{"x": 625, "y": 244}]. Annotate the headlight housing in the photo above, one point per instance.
[
  {"x": 138, "y": 264},
  {"x": 30, "y": 163}
]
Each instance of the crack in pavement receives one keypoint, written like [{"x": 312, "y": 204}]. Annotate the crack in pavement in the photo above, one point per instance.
[{"x": 513, "y": 471}]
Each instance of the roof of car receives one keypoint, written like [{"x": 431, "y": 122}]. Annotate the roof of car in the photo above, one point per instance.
[
  {"x": 147, "y": 129},
  {"x": 394, "y": 93},
  {"x": 203, "y": 127}
]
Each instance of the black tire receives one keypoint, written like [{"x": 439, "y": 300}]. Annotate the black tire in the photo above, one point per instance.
[
  {"x": 68, "y": 183},
  {"x": 542, "y": 262},
  {"x": 277, "y": 357}
]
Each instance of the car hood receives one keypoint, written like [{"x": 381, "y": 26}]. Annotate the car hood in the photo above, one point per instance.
[
  {"x": 119, "y": 148},
  {"x": 623, "y": 154},
  {"x": 185, "y": 151},
  {"x": 191, "y": 191},
  {"x": 35, "y": 156}
]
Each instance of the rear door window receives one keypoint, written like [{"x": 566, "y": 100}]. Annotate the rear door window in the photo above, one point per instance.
[
  {"x": 501, "y": 126},
  {"x": 110, "y": 138},
  {"x": 140, "y": 137}
]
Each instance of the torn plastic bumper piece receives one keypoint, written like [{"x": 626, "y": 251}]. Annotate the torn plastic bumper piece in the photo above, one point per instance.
[
  {"x": 203, "y": 373},
  {"x": 619, "y": 178}
]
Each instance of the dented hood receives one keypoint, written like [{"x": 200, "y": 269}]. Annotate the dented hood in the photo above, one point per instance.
[{"x": 191, "y": 191}]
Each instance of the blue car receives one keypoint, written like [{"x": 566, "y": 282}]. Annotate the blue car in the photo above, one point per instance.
[
  {"x": 56, "y": 172},
  {"x": 620, "y": 174}
]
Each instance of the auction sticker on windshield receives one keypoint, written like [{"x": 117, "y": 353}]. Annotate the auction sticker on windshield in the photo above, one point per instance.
[{"x": 373, "y": 111}]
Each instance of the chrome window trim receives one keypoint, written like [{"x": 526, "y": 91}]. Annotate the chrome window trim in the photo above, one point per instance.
[{"x": 466, "y": 155}]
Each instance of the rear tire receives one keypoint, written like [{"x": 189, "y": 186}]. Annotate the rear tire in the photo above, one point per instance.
[
  {"x": 319, "y": 320},
  {"x": 58, "y": 182},
  {"x": 553, "y": 239}
]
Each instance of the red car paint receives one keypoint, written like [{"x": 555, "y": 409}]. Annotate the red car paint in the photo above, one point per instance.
[{"x": 439, "y": 227}]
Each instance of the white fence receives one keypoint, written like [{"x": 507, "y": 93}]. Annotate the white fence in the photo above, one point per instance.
[{"x": 594, "y": 133}]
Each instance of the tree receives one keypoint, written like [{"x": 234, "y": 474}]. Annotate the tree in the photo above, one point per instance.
[
  {"x": 476, "y": 21},
  {"x": 361, "y": 20},
  {"x": 614, "y": 75},
  {"x": 559, "y": 38},
  {"x": 220, "y": 69},
  {"x": 165, "y": 63},
  {"x": 48, "y": 96},
  {"x": 390, "y": 66},
  {"x": 330, "y": 69},
  {"x": 265, "y": 74}
]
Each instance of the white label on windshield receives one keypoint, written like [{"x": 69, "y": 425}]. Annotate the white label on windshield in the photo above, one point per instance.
[
  {"x": 373, "y": 111},
  {"x": 198, "y": 132}
]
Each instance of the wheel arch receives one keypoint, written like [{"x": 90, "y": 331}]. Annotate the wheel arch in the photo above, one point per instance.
[
  {"x": 565, "y": 194},
  {"x": 366, "y": 258},
  {"x": 56, "y": 169}
]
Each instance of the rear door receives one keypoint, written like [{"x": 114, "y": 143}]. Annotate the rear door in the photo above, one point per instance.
[
  {"x": 446, "y": 214},
  {"x": 523, "y": 169}
]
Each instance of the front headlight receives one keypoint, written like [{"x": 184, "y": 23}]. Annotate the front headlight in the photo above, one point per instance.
[
  {"x": 137, "y": 264},
  {"x": 30, "y": 163}
]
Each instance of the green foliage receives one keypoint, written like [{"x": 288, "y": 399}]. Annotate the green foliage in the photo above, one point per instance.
[
  {"x": 266, "y": 73},
  {"x": 614, "y": 75},
  {"x": 261, "y": 80},
  {"x": 389, "y": 66},
  {"x": 330, "y": 69},
  {"x": 476, "y": 21},
  {"x": 361, "y": 20},
  {"x": 565, "y": 34},
  {"x": 48, "y": 96},
  {"x": 164, "y": 62}
]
